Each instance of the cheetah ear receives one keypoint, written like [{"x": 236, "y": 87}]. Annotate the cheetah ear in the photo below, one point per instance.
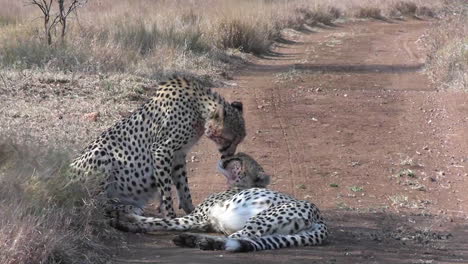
[
  {"x": 237, "y": 105},
  {"x": 262, "y": 179},
  {"x": 218, "y": 114}
]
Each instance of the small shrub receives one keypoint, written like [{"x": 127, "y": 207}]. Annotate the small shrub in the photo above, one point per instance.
[
  {"x": 303, "y": 15},
  {"x": 241, "y": 35},
  {"x": 370, "y": 12},
  {"x": 335, "y": 12},
  {"x": 425, "y": 11},
  {"x": 323, "y": 17},
  {"x": 406, "y": 8},
  {"x": 310, "y": 17}
]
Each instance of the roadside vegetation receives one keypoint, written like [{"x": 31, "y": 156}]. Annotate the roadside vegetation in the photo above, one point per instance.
[
  {"x": 154, "y": 38},
  {"x": 448, "y": 49},
  {"x": 44, "y": 218},
  {"x": 111, "y": 52}
]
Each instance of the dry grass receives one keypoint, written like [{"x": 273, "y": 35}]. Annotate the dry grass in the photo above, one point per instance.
[
  {"x": 113, "y": 52},
  {"x": 43, "y": 219},
  {"x": 239, "y": 34},
  {"x": 448, "y": 50},
  {"x": 370, "y": 12},
  {"x": 406, "y": 8},
  {"x": 154, "y": 38}
]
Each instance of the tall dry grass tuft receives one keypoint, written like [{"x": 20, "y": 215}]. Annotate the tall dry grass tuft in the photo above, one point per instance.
[
  {"x": 244, "y": 36},
  {"x": 424, "y": 11},
  {"x": 406, "y": 8},
  {"x": 43, "y": 219},
  {"x": 448, "y": 54},
  {"x": 370, "y": 12}
]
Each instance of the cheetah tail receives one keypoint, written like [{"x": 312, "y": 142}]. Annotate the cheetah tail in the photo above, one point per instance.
[
  {"x": 142, "y": 224},
  {"x": 314, "y": 236}
]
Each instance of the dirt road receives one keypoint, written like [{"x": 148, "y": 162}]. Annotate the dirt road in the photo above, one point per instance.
[{"x": 343, "y": 116}]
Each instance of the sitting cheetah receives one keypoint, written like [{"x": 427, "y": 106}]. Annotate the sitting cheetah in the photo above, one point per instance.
[
  {"x": 254, "y": 218},
  {"x": 146, "y": 152}
]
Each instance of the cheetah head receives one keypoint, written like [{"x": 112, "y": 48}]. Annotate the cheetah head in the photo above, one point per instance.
[
  {"x": 226, "y": 127},
  {"x": 243, "y": 171}
]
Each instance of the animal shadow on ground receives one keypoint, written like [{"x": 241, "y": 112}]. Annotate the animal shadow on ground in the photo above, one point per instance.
[
  {"x": 355, "y": 237},
  {"x": 340, "y": 68}
]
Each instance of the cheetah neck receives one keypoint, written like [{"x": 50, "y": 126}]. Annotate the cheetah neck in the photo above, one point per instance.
[{"x": 209, "y": 102}]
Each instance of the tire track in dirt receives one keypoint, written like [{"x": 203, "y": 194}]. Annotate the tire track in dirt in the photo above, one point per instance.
[
  {"x": 276, "y": 100},
  {"x": 353, "y": 111}
]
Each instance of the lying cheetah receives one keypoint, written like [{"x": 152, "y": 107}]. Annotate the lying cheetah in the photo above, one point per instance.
[
  {"x": 146, "y": 152},
  {"x": 254, "y": 218}
]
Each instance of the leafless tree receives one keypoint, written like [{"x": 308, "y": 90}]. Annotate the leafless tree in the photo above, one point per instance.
[
  {"x": 66, "y": 10},
  {"x": 46, "y": 9},
  {"x": 52, "y": 18}
]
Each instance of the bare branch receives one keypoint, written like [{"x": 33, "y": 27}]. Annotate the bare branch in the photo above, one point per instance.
[
  {"x": 65, "y": 12},
  {"x": 73, "y": 6},
  {"x": 54, "y": 22},
  {"x": 51, "y": 19},
  {"x": 40, "y": 5}
]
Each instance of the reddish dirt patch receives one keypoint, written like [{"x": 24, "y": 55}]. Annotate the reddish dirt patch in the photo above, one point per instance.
[{"x": 344, "y": 117}]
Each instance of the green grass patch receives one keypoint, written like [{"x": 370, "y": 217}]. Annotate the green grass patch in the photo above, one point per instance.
[
  {"x": 407, "y": 173},
  {"x": 356, "y": 188}
]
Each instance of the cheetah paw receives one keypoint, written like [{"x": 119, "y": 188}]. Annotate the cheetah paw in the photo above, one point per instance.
[
  {"x": 208, "y": 243},
  {"x": 186, "y": 240}
]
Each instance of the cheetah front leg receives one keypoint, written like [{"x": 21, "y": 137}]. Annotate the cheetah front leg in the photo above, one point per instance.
[
  {"x": 164, "y": 160},
  {"x": 179, "y": 177}
]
